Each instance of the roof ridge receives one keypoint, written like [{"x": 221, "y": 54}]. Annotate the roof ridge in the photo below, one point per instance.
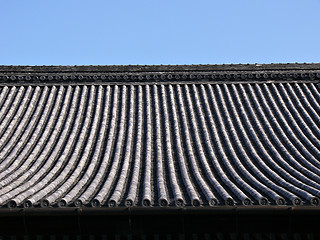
[
  {"x": 159, "y": 74},
  {"x": 156, "y": 68}
]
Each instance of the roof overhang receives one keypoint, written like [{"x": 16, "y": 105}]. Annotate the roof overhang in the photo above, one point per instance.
[{"x": 139, "y": 221}]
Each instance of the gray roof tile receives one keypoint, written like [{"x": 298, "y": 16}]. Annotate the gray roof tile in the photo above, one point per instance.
[{"x": 155, "y": 144}]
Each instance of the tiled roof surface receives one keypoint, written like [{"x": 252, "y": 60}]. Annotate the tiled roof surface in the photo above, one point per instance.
[{"x": 201, "y": 144}]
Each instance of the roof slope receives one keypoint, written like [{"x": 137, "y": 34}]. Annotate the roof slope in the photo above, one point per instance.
[{"x": 151, "y": 143}]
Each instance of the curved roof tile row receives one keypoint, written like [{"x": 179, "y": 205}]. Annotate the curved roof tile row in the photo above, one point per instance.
[{"x": 160, "y": 145}]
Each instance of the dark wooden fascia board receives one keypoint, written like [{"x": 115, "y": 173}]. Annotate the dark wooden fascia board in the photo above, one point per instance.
[{"x": 309, "y": 210}]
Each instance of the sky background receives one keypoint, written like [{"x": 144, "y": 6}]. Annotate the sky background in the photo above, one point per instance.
[{"x": 78, "y": 32}]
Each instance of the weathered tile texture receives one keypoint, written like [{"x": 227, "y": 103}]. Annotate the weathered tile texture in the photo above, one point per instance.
[{"x": 160, "y": 145}]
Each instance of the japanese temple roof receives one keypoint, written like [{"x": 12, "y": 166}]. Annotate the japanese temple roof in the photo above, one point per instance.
[{"x": 159, "y": 136}]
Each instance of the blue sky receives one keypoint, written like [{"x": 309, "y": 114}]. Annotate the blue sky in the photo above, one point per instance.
[{"x": 78, "y": 32}]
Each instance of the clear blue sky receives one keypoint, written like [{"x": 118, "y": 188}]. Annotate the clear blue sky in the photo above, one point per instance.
[{"x": 78, "y": 32}]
